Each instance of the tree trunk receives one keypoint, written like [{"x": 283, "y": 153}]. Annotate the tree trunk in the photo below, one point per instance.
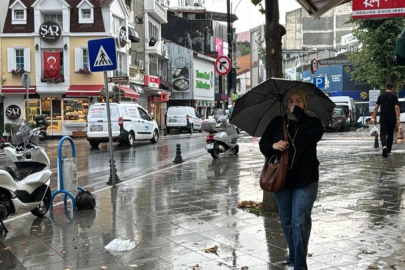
[{"x": 274, "y": 67}]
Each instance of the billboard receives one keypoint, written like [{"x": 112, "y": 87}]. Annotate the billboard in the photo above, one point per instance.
[
  {"x": 348, "y": 84},
  {"x": 373, "y": 9},
  {"x": 333, "y": 78},
  {"x": 219, "y": 46},
  {"x": 180, "y": 61}
]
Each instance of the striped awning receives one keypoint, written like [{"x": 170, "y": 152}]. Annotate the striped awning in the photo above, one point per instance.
[
  {"x": 128, "y": 92},
  {"x": 17, "y": 89}
]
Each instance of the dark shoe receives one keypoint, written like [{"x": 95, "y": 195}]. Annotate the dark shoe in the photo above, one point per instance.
[{"x": 385, "y": 152}]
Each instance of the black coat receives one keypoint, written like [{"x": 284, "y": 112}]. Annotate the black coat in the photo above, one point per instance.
[{"x": 304, "y": 165}]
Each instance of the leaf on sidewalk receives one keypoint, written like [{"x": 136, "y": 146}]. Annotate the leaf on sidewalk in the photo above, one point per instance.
[
  {"x": 133, "y": 265},
  {"x": 373, "y": 266},
  {"x": 23, "y": 243},
  {"x": 63, "y": 251},
  {"x": 196, "y": 267},
  {"x": 214, "y": 249},
  {"x": 368, "y": 251},
  {"x": 103, "y": 267},
  {"x": 249, "y": 204},
  {"x": 244, "y": 268},
  {"x": 6, "y": 248}
]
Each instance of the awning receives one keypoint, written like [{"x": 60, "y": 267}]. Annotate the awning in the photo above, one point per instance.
[
  {"x": 137, "y": 88},
  {"x": 129, "y": 92},
  {"x": 17, "y": 89},
  {"x": 316, "y": 8},
  {"x": 133, "y": 35},
  {"x": 84, "y": 90}
]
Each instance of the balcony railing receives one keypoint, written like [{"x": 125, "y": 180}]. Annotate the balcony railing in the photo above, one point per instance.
[{"x": 156, "y": 10}]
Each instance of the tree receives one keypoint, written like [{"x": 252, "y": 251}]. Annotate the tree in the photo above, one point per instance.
[
  {"x": 375, "y": 62},
  {"x": 274, "y": 33}
]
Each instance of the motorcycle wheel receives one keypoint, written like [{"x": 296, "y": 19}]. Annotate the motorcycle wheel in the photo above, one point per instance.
[
  {"x": 43, "y": 208},
  {"x": 215, "y": 152},
  {"x": 43, "y": 136},
  {"x": 235, "y": 150}
]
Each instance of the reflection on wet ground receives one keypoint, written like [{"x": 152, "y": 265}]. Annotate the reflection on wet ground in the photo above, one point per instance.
[{"x": 175, "y": 212}]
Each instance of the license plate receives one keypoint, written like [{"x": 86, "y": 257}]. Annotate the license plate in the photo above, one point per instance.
[
  {"x": 96, "y": 128},
  {"x": 172, "y": 120},
  {"x": 209, "y": 146}
]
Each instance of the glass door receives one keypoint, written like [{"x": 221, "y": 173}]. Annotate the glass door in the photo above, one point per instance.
[{"x": 52, "y": 108}]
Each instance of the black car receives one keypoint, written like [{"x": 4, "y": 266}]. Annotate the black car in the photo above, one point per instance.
[{"x": 339, "y": 121}]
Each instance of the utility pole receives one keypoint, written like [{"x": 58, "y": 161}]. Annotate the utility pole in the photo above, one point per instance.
[{"x": 230, "y": 49}]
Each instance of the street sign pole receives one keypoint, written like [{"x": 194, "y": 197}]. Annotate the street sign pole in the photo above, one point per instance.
[
  {"x": 28, "y": 101},
  {"x": 26, "y": 81},
  {"x": 110, "y": 140}
]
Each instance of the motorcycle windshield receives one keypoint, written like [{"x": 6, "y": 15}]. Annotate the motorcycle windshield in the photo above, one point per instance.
[{"x": 21, "y": 132}]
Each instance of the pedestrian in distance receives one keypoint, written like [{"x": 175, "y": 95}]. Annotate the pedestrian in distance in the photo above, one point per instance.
[
  {"x": 389, "y": 117},
  {"x": 296, "y": 199}
]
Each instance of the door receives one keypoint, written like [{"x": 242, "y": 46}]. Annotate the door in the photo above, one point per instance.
[{"x": 147, "y": 125}]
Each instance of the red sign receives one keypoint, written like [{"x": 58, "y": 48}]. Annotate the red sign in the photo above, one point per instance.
[
  {"x": 52, "y": 65},
  {"x": 223, "y": 65},
  {"x": 164, "y": 97},
  {"x": 151, "y": 81},
  {"x": 372, "y": 9}
]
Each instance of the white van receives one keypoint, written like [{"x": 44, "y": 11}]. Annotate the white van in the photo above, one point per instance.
[
  {"x": 129, "y": 123},
  {"x": 183, "y": 118},
  {"x": 340, "y": 100}
]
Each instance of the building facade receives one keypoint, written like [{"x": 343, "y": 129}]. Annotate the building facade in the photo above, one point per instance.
[{"x": 48, "y": 40}]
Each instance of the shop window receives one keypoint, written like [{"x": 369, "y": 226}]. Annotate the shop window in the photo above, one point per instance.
[
  {"x": 75, "y": 110},
  {"x": 34, "y": 109},
  {"x": 18, "y": 58}
]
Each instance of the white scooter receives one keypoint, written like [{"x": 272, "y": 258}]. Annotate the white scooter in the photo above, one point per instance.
[
  {"x": 26, "y": 187},
  {"x": 220, "y": 141}
]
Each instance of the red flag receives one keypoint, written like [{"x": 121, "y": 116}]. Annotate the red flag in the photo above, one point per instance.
[{"x": 52, "y": 65}]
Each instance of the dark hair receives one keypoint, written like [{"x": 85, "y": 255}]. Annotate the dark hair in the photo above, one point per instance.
[{"x": 389, "y": 86}]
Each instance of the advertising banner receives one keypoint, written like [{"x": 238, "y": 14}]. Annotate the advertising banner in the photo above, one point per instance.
[
  {"x": 372, "y": 9},
  {"x": 219, "y": 46},
  {"x": 333, "y": 78},
  {"x": 181, "y": 59},
  {"x": 349, "y": 84}
]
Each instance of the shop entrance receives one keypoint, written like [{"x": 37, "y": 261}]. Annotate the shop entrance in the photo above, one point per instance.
[{"x": 52, "y": 108}]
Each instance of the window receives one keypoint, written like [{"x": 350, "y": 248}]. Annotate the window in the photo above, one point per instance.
[
  {"x": 75, "y": 110},
  {"x": 153, "y": 31},
  {"x": 58, "y": 18},
  {"x": 86, "y": 13},
  {"x": 85, "y": 58},
  {"x": 19, "y": 14},
  {"x": 153, "y": 66},
  {"x": 143, "y": 114},
  {"x": 117, "y": 23},
  {"x": 19, "y": 58}
]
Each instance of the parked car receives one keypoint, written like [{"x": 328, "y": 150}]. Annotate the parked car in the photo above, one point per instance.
[
  {"x": 346, "y": 100},
  {"x": 129, "y": 123},
  {"x": 183, "y": 118},
  {"x": 339, "y": 120}
]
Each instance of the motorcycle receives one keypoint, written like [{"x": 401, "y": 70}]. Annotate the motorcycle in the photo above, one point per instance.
[
  {"x": 220, "y": 139},
  {"x": 26, "y": 187},
  {"x": 42, "y": 124}
]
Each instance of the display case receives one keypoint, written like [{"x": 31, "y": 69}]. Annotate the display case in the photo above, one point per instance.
[{"x": 75, "y": 112}]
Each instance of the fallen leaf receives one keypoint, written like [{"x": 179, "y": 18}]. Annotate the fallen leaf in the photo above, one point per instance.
[
  {"x": 196, "y": 267},
  {"x": 309, "y": 254},
  {"x": 249, "y": 204},
  {"x": 393, "y": 266},
  {"x": 75, "y": 247},
  {"x": 244, "y": 268},
  {"x": 23, "y": 243},
  {"x": 6, "y": 248},
  {"x": 133, "y": 265},
  {"x": 103, "y": 267},
  {"x": 51, "y": 254},
  {"x": 73, "y": 239},
  {"x": 63, "y": 251},
  {"x": 373, "y": 266},
  {"x": 211, "y": 250},
  {"x": 368, "y": 252},
  {"x": 85, "y": 244},
  {"x": 220, "y": 264}
]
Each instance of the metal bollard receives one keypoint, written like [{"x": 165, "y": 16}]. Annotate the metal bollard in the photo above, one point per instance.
[
  {"x": 117, "y": 178},
  {"x": 178, "y": 158},
  {"x": 376, "y": 142}
]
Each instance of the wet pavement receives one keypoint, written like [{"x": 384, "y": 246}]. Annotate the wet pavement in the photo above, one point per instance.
[{"x": 174, "y": 212}]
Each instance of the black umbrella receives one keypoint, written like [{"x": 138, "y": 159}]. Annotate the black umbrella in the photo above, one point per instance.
[{"x": 255, "y": 109}]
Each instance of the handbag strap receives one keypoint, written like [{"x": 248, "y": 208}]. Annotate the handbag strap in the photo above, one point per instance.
[{"x": 284, "y": 156}]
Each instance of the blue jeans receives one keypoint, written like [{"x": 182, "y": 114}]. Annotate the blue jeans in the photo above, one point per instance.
[{"x": 295, "y": 206}]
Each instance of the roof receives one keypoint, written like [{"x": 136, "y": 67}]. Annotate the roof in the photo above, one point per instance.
[
  {"x": 316, "y": 8},
  {"x": 244, "y": 63}
]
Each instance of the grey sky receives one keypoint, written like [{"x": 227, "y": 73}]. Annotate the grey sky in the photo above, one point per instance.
[{"x": 249, "y": 15}]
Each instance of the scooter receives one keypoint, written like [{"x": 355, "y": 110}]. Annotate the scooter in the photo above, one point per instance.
[
  {"x": 26, "y": 187},
  {"x": 222, "y": 139},
  {"x": 42, "y": 124}
]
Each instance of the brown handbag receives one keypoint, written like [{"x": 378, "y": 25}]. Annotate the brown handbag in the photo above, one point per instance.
[{"x": 274, "y": 172}]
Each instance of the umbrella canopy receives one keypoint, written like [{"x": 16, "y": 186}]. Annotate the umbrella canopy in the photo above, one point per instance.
[{"x": 255, "y": 109}]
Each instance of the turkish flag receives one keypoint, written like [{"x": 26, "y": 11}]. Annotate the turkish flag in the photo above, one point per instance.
[{"x": 52, "y": 65}]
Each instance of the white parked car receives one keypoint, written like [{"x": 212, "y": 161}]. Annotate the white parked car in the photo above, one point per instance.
[
  {"x": 129, "y": 123},
  {"x": 183, "y": 118}
]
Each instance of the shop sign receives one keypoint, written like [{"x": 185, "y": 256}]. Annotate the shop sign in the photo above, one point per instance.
[
  {"x": 200, "y": 76},
  {"x": 151, "y": 81},
  {"x": 372, "y": 9},
  {"x": 50, "y": 32},
  {"x": 13, "y": 112},
  {"x": 122, "y": 37}
]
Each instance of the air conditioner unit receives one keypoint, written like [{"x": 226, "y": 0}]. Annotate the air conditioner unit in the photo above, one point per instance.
[{"x": 140, "y": 64}]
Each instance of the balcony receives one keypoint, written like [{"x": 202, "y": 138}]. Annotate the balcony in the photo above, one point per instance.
[
  {"x": 156, "y": 10},
  {"x": 159, "y": 50},
  {"x": 136, "y": 73}
]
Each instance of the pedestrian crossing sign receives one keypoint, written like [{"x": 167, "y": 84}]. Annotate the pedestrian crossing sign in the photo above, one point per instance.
[{"x": 102, "y": 54}]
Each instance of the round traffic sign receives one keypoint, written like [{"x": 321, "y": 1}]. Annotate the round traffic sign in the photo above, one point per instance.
[{"x": 223, "y": 65}]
